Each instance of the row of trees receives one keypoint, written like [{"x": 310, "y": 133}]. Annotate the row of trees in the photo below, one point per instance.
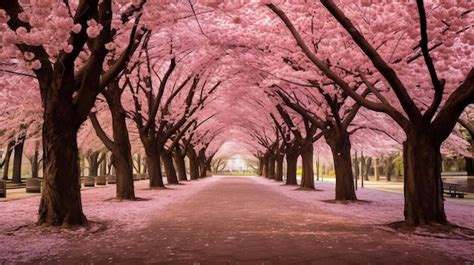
[
  {"x": 331, "y": 91},
  {"x": 179, "y": 80},
  {"x": 107, "y": 69}
]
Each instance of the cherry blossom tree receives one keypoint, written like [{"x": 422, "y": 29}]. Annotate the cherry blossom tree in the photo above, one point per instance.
[
  {"x": 426, "y": 117},
  {"x": 50, "y": 46}
]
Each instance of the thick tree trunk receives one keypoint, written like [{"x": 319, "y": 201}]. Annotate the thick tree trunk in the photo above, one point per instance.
[
  {"x": 279, "y": 167},
  {"x": 307, "y": 178},
  {"x": 291, "y": 167},
  {"x": 6, "y": 161},
  {"x": 124, "y": 172},
  {"x": 201, "y": 158},
  {"x": 423, "y": 186},
  {"x": 193, "y": 164},
  {"x": 271, "y": 165},
  {"x": 17, "y": 160},
  {"x": 341, "y": 153},
  {"x": 61, "y": 198},
  {"x": 180, "y": 167},
  {"x": 122, "y": 150},
  {"x": 154, "y": 166},
  {"x": 170, "y": 171}
]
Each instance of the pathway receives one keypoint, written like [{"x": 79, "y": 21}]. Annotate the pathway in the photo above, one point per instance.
[{"x": 239, "y": 221}]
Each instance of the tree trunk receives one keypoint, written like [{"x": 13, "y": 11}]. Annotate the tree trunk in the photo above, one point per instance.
[
  {"x": 34, "y": 162},
  {"x": 201, "y": 158},
  {"x": 260, "y": 166},
  {"x": 122, "y": 151},
  {"x": 61, "y": 198},
  {"x": 355, "y": 164},
  {"x": 111, "y": 165},
  {"x": 376, "y": 169},
  {"x": 291, "y": 167},
  {"x": 469, "y": 166},
  {"x": 368, "y": 164},
  {"x": 271, "y": 165},
  {"x": 209, "y": 163},
  {"x": 180, "y": 168},
  {"x": 279, "y": 167},
  {"x": 363, "y": 165},
  {"x": 265, "y": 165},
  {"x": 193, "y": 164},
  {"x": 307, "y": 178},
  {"x": 170, "y": 171},
  {"x": 317, "y": 169},
  {"x": 139, "y": 163},
  {"x": 154, "y": 166},
  {"x": 93, "y": 160},
  {"x": 423, "y": 185},
  {"x": 124, "y": 172},
  {"x": 388, "y": 168},
  {"x": 103, "y": 166},
  {"x": 470, "y": 160},
  {"x": 17, "y": 158},
  {"x": 341, "y": 153},
  {"x": 6, "y": 160},
  {"x": 202, "y": 169}
]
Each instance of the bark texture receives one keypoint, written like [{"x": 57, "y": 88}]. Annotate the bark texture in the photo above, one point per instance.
[
  {"x": 180, "y": 167},
  {"x": 291, "y": 167},
  {"x": 61, "y": 198},
  {"x": 279, "y": 167},
  {"x": 307, "y": 178},
  {"x": 193, "y": 164},
  {"x": 6, "y": 160},
  {"x": 341, "y": 152},
  {"x": 153, "y": 162},
  {"x": 17, "y": 159},
  {"x": 423, "y": 186},
  {"x": 170, "y": 171},
  {"x": 271, "y": 165}
]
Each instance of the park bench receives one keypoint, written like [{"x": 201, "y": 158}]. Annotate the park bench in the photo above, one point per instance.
[
  {"x": 112, "y": 179},
  {"x": 3, "y": 189},
  {"x": 143, "y": 176},
  {"x": 89, "y": 181},
  {"x": 33, "y": 185},
  {"x": 452, "y": 190},
  {"x": 136, "y": 177},
  {"x": 101, "y": 180}
]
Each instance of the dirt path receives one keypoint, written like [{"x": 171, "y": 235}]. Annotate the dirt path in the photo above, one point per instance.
[{"x": 239, "y": 221}]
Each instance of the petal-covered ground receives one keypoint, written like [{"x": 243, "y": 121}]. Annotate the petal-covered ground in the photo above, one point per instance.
[{"x": 232, "y": 220}]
